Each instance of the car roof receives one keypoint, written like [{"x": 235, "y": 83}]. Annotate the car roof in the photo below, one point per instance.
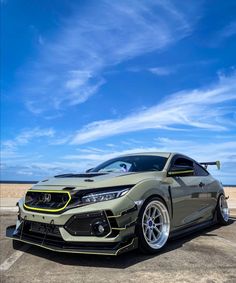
[{"x": 163, "y": 154}]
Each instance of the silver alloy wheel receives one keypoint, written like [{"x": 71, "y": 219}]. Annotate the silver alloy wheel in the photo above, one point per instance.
[
  {"x": 224, "y": 210},
  {"x": 156, "y": 224}
]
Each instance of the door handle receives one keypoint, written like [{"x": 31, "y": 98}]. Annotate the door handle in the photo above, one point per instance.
[{"x": 201, "y": 184}]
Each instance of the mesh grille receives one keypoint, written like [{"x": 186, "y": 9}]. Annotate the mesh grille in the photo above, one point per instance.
[{"x": 46, "y": 200}]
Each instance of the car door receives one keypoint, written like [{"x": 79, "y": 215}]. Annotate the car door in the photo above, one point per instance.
[
  {"x": 208, "y": 194},
  {"x": 187, "y": 193}
]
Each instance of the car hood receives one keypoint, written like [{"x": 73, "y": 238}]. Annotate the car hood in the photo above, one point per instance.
[{"x": 95, "y": 180}]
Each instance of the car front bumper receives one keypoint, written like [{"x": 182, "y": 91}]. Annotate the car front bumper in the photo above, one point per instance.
[{"x": 53, "y": 233}]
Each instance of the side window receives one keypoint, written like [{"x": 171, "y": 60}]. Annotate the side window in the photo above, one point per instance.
[
  {"x": 185, "y": 165},
  {"x": 199, "y": 170},
  {"x": 183, "y": 162}
]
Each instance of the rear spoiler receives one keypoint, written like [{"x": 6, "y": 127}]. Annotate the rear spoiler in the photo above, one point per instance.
[{"x": 205, "y": 164}]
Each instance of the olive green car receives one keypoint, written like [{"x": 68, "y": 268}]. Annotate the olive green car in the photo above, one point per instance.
[{"x": 132, "y": 201}]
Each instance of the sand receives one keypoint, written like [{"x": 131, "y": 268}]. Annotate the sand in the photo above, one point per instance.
[{"x": 13, "y": 190}]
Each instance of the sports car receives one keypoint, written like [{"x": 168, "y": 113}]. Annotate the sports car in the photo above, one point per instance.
[{"x": 132, "y": 201}]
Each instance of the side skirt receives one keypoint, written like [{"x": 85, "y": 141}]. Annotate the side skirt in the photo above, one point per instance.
[{"x": 191, "y": 229}]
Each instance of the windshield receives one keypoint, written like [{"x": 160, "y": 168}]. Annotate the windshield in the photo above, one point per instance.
[{"x": 134, "y": 163}]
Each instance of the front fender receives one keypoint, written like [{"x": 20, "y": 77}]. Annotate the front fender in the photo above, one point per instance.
[{"x": 148, "y": 188}]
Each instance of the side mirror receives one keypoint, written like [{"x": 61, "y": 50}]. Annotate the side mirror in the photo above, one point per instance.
[{"x": 180, "y": 170}]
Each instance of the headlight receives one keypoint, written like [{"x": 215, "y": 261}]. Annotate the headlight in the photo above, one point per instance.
[{"x": 103, "y": 196}]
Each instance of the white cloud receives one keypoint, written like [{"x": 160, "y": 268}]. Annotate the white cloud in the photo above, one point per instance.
[
  {"x": 200, "y": 150},
  {"x": 228, "y": 31},
  {"x": 34, "y": 107},
  {"x": 70, "y": 66},
  {"x": 39, "y": 170},
  {"x": 96, "y": 157},
  {"x": 22, "y": 172},
  {"x": 27, "y": 135},
  {"x": 9, "y": 147},
  {"x": 161, "y": 71},
  {"x": 199, "y": 108}
]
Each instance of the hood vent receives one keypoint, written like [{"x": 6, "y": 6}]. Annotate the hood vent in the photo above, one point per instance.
[
  {"x": 86, "y": 175},
  {"x": 68, "y": 188}
]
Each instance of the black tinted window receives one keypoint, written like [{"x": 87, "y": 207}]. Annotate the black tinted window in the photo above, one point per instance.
[
  {"x": 199, "y": 170},
  {"x": 182, "y": 163}
]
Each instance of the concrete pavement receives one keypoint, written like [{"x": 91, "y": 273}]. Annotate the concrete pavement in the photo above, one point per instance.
[{"x": 206, "y": 256}]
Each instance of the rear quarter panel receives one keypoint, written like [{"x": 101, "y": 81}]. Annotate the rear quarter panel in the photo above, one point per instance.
[{"x": 214, "y": 189}]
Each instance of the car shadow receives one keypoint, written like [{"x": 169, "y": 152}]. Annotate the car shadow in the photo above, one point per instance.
[{"x": 124, "y": 260}]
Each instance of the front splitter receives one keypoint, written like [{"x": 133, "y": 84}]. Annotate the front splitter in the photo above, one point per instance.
[{"x": 71, "y": 247}]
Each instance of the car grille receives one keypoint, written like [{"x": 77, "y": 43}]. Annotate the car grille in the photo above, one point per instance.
[{"x": 51, "y": 201}]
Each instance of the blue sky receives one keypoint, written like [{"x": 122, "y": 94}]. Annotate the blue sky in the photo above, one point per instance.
[{"x": 83, "y": 81}]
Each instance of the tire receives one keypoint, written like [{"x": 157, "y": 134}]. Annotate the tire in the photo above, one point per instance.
[
  {"x": 153, "y": 226},
  {"x": 222, "y": 211}
]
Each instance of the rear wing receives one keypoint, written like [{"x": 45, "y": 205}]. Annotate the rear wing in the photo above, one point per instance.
[{"x": 205, "y": 164}]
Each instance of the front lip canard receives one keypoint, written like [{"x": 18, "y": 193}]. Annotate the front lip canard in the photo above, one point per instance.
[{"x": 47, "y": 200}]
